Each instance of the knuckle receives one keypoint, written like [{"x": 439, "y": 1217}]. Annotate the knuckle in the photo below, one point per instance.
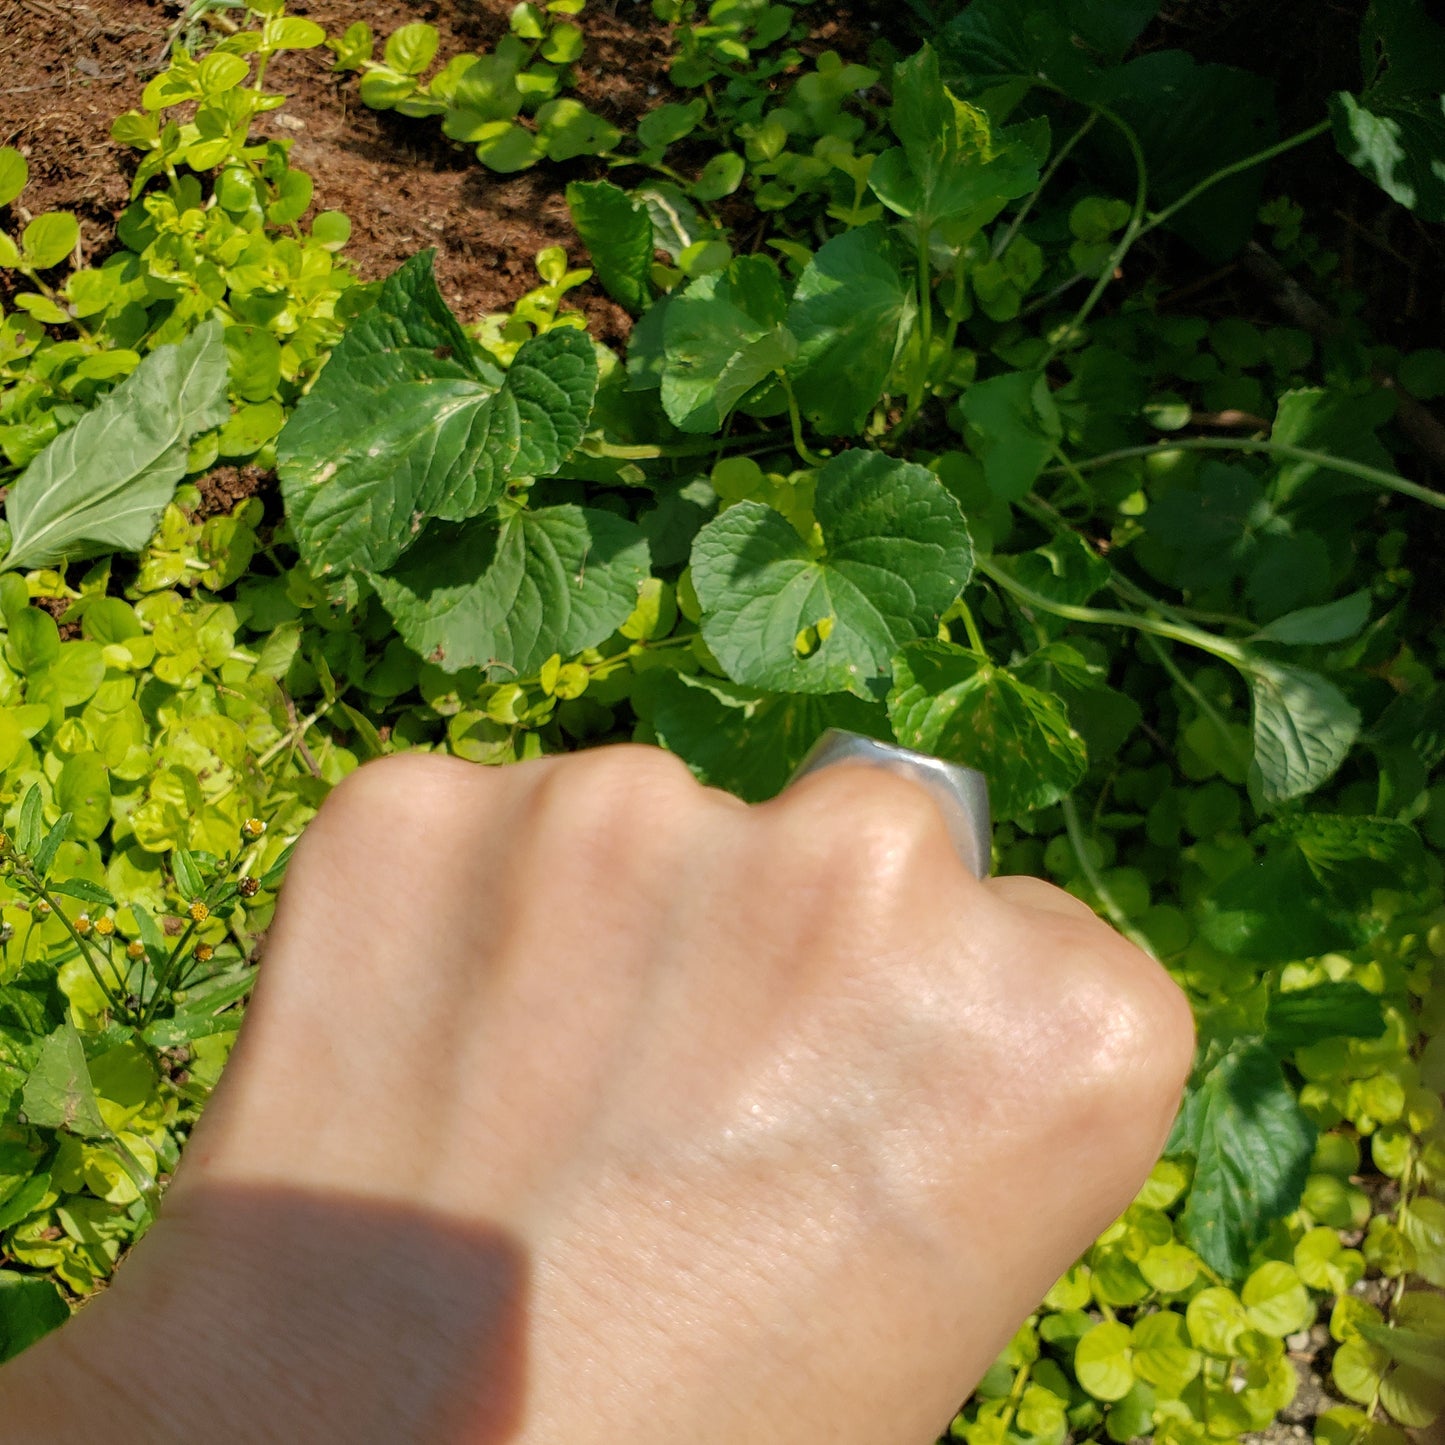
[
  {"x": 386, "y": 790},
  {"x": 1130, "y": 1025},
  {"x": 859, "y": 821},
  {"x": 622, "y": 789}
]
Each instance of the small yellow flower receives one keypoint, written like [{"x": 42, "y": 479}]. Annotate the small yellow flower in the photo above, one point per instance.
[
  {"x": 82, "y": 924},
  {"x": 204, "y": 953},
  {"x": 42, "y": 909},
  {"x": 199, "y": 912},
  {"x": 253, "y": 827},
  {"x": 105, "y": 926},
  {"x": 135, "y": 949}
]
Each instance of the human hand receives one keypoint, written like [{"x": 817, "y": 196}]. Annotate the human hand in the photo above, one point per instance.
[{"x": 578, "y": 1102}]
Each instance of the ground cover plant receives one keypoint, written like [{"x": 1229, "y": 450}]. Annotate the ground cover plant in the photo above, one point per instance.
[{"x": 912, "y": 435}]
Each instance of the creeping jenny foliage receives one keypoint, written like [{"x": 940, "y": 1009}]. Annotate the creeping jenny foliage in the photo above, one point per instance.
[{"x": 891, "y": 448}]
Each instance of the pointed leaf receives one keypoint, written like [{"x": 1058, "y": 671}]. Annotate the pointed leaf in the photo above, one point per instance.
[
  {"x": 59, "y": 1094},
  {"x": 30, "y": 1306},
  {"x": 852, "y": 314},
  {"x": 1304, "y": 727},
  {"x": 1304, "y": 1016},
  {"x": 559, "y": 579},
  {"x": 895, "y": 554},
  {"x": 101, "y": 485},
  {"x": 617, "y": 231},
  {"x": 957, "y": 705},
  {"x": 1252, "y": 1148}
]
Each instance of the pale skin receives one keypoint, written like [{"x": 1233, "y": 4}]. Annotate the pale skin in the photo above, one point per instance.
[{"x": 580, "y": 1103}]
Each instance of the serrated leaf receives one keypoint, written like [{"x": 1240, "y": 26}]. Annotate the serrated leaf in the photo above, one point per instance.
[
  {"x": 1063, "y": 41},
  {"x": 1252, "y": 1148},
  {"x": 30, "y": 1307},
  {"x": 1314, "y": 626},
  {"x": 896, "y": 553},
  {"x": 1394, "y": 129},
  {"x": 559, "y": 579},
  {"x": 58, "y": 1093},
  {"x": 102, "y": 485},
  {"x": 1013, "y": 428},
  {"x": 721, "y": 338},
  {"x": 1304, "y": 1016},
  {"x": 405, "y": 425},
  {"x": 948, "y": 164},
  {"x": 852, "y": 314},
  {"x": 1275, "y": 911},
  {"x": 1304, "y": 727},
  {"x": 617, "y": 231},
  {"x": 959, "y": 706},
  {"x": 740, "y": 739}
]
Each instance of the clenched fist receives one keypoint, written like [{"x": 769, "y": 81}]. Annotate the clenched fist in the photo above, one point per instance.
[{"x": 578, "y": 1102}]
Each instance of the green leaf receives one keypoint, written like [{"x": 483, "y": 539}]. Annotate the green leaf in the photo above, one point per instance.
[
  {"x": 1274, "y": 911},
  {"x": 961, "y": 707},
  {"x": 1252, "y": 1148},
  {"x": 1064, "y": 41},
  {"x": 852, "y": 314},
  {"x": 188, "y": 877},
  {"x": 1304, "y": 727},
  {"x": 1394, "y": 129},
  {"x": 58, "y": 1093},
  {"x": 567, "y": 129},
  {"x": 14, "y": 173},
  {"x": 1013, "y": 428},
  {"x": 291, "y": 32},
  {"x": 45, "y": 853},
  {"x": 740, "y": 739},
  {"x": 720, "y": 177},
  {"x": 85, "y": 891},
  {"x": 617, "y": 232},
  {"x": 411, "y": 48},
  {"x": 1305, "y": 1016},
  {"x": 948, "y": 164},
  {"x": 895, "y": 553},
  {"x": 1103, "y": 1360},
  {"x": 49, "y": 239},
  {"x": 404, "y": 425},
  {"x": 30, "y": 1307},
  {"x": 559, "y": 579},
  {"x": 101, "y": 486},
  {"x": 1314, "y": 626},
  {"x": 27, "y": 833},
  {"x": 1191, "y": 120},
  {"x": 1276, "y": 1301},
  {"x": 722, "y": 337}
]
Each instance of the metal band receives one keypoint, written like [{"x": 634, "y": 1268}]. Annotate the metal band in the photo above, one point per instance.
[{"x": 961, "y": 793}]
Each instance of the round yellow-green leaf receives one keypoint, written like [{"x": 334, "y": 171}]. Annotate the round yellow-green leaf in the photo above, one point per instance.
[
  {"x": 1276, "y": 1301},
  {"x": 49, "y": 239},
  {"x": 1171, "y": 1268},
  {"x": 1163, "y": 1355},
  {"x": 1423, "y": 1221},
  {"x": 1216, "y": 1319},
  {"x": 1103, "y": 1361},
  {"x": 1358, "y": 1370}
]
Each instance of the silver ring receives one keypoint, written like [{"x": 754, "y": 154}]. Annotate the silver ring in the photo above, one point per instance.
[{"x": 961, "y": 793}]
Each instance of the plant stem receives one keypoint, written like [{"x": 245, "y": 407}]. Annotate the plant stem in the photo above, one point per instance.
[
  {"x": 80, "y": 942},
  {"x": 1204, "y": 705},
  {"x": 1132, "y": 232},
  {"x": 1174, "y": 631},
  {"x": 1079, "y": 843},
  {"x": 975, "y": 639},
  {"x": 1388, "y": 480},
  {"x": 1059, "y": 157},
  {"x": 1233, "y": 169},
  {"x": 919, "y": 389},
  {"x": 795, "y": 418}
]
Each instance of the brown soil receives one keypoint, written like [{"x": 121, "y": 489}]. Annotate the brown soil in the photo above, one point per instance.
[
  {"x": 222, "y": 488},
  {"x": 68, "y": 67}
]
